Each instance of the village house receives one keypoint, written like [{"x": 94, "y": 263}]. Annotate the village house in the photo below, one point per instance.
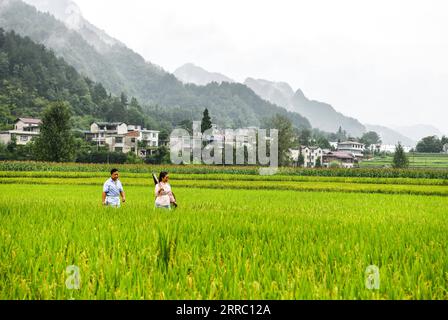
[
  {"x": 120, "y": 137},
  {"x": 25, "y": 130},
  {"x": 343, "y": 159},
  {"x": 310, "y": 156},
  {"x": 356, "y": 148}
]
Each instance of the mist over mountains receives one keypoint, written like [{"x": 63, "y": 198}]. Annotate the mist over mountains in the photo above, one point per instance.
[
  {"x": 190, "y": 73},
  {"x": 321, "y": 115},
  {"x": 189, "y": 90},
  {"x": 107, "y": 61}
]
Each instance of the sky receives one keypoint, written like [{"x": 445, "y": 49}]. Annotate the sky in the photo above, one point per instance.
[{"x": 382, "y": 62}]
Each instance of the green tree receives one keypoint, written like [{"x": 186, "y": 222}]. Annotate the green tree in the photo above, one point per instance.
[
  {"x": 124, "y": 99},
  {"x": 161, "y": 156},
  {"x": 370, "y": 138},
  {"x": 206, "y": 123},
  {"x": 118, "y": 112},
  {"x": 56, "y": 142},
  {"x": 323, "y": 143},
  {"x": 305, "y": 137},
  {"x": 301, "y": 160},
  {"x": 400, "y": 158},
  {"x": 186, "y": 125},
  {"x": 430, "y": 145},
  {"x": 318, "y": 163},
  {"x": 286, "y": 137}
]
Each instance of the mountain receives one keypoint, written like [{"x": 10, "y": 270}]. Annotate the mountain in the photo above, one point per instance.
[
  {"x": 392, "y": 137},
  {"x": 189, "y": 73},
  {"x": 32, "y": 77},
  {"x": 417, "y": 132},
  {"x": 279, "y": 93},
  {"x": 324, "y": 117},
  {"x": 119, "y": 69},
  {"x": 321, "y": 115}
]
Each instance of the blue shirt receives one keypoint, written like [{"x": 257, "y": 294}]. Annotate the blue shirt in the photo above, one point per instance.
[{"x": 113, "y": 188}]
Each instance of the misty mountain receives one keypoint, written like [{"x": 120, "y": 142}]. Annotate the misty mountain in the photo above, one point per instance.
[
  {"x": 417, "y": 132},
  {"x": 321, "y": 115},
  {"x": 392, "y": 137},
  {"x": 190, "y": 73},
  {"x": 32, "y": 77},
  {"x": 107, "y": 61},
  {"x": 279, "y": 93}
]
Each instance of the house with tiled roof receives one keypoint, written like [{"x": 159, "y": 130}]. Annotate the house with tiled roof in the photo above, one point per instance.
[{"x": 25, "y": 130}]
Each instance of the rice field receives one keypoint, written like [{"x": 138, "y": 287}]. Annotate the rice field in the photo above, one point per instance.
[
  {"x": 234, "y": 236},
  {"x": 416, "y": 160}
]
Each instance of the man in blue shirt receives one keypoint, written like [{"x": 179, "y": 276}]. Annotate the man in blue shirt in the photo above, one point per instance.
[{"x": 112, "y": 190}]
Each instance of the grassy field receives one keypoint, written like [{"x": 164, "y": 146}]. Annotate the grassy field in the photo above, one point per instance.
[
  {"x": 416, "y": 160},
  {"x": 233, "y": 237}
]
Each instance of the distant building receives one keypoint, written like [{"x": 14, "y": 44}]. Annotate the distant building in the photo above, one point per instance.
[
  {"x": 310, "y": 156},
  {"x": 344, "y": 159},
  {"x": 120, "y": 137},
  {"x": 353, "y": 147},
  {"x": 334, "y": 145},
  {"x": 445, "y": 148},
  {"x": 25, "y": 130},
  {"x": 388, "y": 148}
]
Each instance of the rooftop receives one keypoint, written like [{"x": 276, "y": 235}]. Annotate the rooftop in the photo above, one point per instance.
[
  {"x": 340, "y": 155},
  {"x": 352, "y": 142},
  {"x": 29, "y": 120},
  {"x": 103, "y": 124}
]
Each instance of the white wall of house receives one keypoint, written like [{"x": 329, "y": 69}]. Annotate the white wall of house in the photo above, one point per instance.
[
  {"x": 94, "y": 128},
  {"x": 124, "y": 138},
  {"x": 25, "y": 126},
  {"x": 310, "y": 156},
  {"x": 353, "y": 147},
  {"x": 150, "y": 137},
  {"x": 5, "y": 138},
  {"x": 122, "y": 128}
]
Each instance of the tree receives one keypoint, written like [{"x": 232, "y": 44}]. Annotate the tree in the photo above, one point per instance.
[
  {"x": 286, "y": 137},
  {"x": 56, "y": 142},
  {"x": 370, "y": 138},
  {"x": 323, "y": 143},
  {"x": 400, "y": 158},
  {"x": 300, "y": 159},
  {"x": 206, "y": 123},
  {"x": 305, "y": 137},
  {"x": 430, "y": 145},
  {"x": 118, "y": 112},
  {"x": 444, "y": 140},
  {"x": 161, "y": 156},
  {"x": 186, "y": 125},
  {"x": 124, "y": 99},
  {"x": 318, "y": 163}
]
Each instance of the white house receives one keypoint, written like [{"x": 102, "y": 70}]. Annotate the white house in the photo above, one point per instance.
[
  {"x": 310, "y": 156},
  {"x": 120, "y": 137},
  {"x": 353, "y": 147},
  {"x": 25, "y": 130}
]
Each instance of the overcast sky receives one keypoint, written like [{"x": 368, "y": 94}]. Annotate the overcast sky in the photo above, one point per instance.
[{"x": 383, "y": 61}]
